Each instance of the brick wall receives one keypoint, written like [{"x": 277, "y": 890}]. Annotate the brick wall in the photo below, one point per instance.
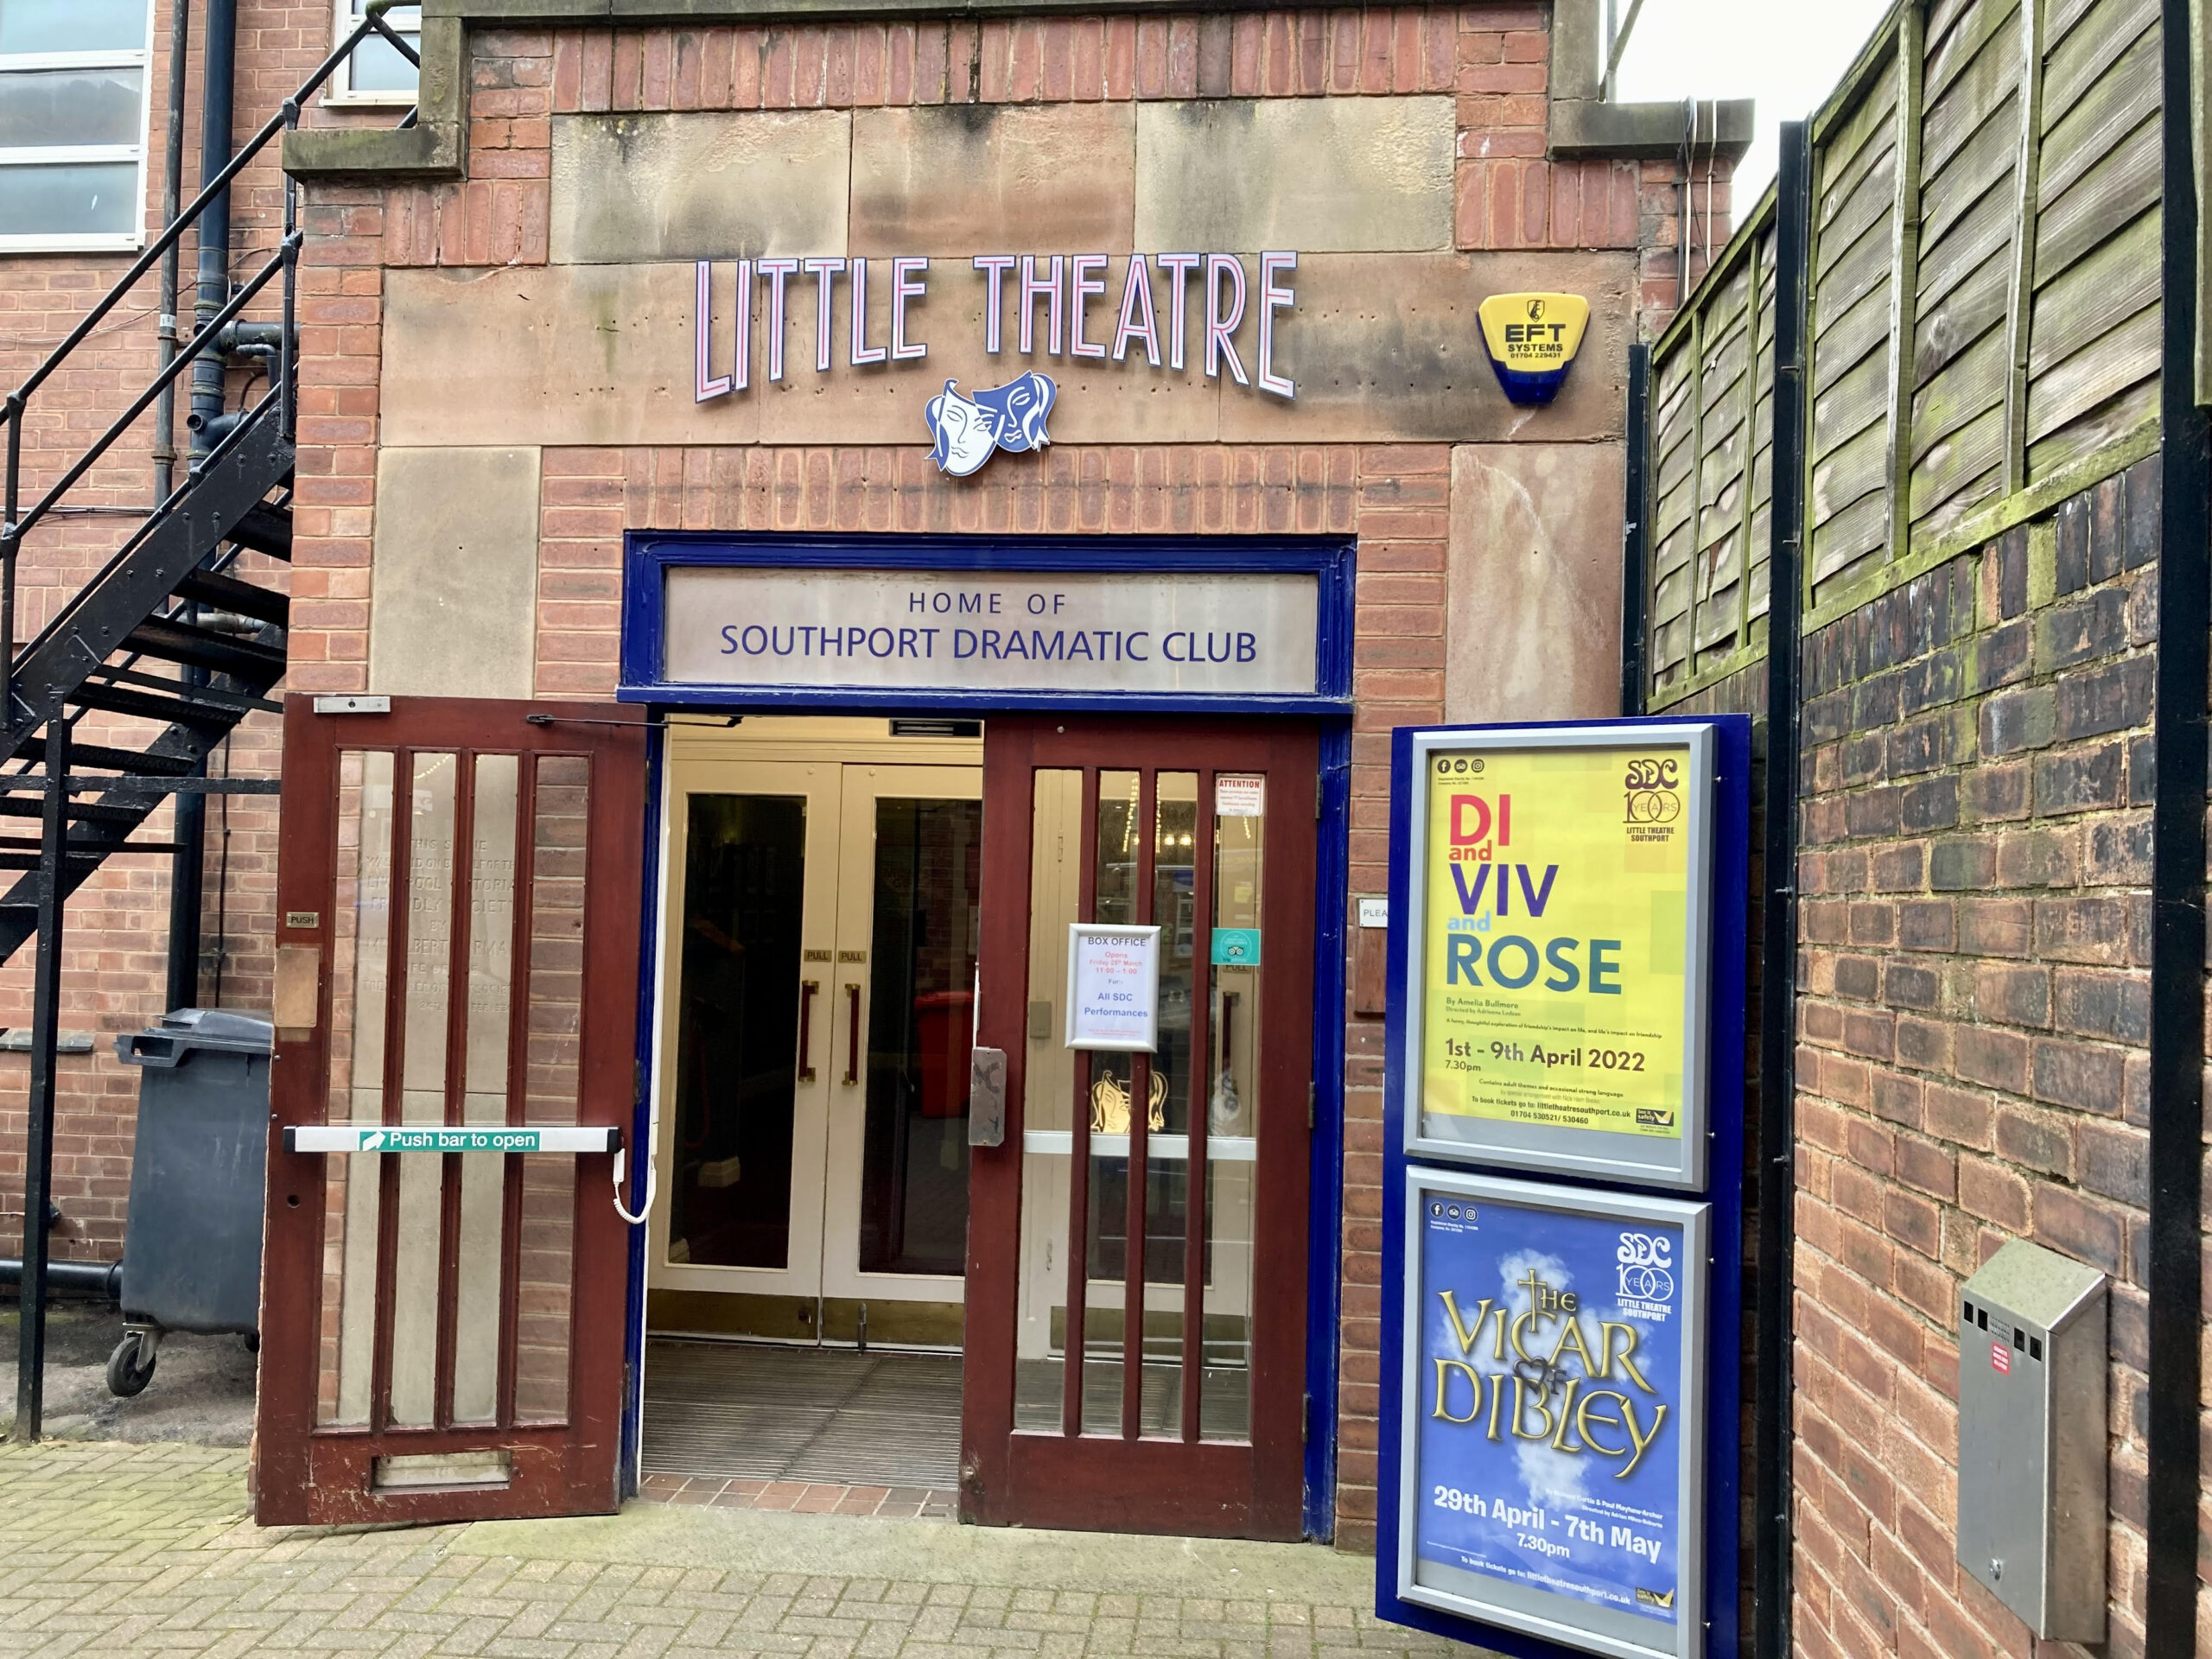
[
  {"x": 1972, "y": 1018},
  {"x": 116, "y": 937}
]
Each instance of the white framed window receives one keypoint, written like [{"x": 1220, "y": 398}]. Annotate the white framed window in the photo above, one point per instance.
[
  {"x": 74, "y": 93},
  {"x": 375, "y": 74}
]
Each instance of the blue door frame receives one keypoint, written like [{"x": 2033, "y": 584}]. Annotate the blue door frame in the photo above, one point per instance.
[{"x": 648, "y": 555}]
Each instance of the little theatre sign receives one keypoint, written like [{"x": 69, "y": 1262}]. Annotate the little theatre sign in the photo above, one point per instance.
[
  {"x": 1204, "y": 316},
  {"x": 1173, "y": 308}
]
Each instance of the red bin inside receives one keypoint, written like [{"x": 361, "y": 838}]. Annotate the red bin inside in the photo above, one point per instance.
[{"x": 944, "y": 1033}]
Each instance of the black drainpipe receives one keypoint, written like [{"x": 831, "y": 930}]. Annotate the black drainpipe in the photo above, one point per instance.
[
  {"x": 219, "y": 74},
  {"x": 1635, "y": 539},
  {"x": 2178, "y": 749},
  {"x": 1777, "y": 1114}
]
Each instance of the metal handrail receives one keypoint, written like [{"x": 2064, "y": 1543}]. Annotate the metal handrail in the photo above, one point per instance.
[
  {"x": 139, "y": 404},
  {"x": 14, "y": 524},
  {"x": 230, "y": 440},
  {"x": 285, "y": 118}
]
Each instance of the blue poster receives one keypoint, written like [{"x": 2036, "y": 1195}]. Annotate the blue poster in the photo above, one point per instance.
[{"x": 1547, "y": 1409}]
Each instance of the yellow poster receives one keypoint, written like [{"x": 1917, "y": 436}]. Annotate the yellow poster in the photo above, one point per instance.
[{"x": 1556, "y": 942}]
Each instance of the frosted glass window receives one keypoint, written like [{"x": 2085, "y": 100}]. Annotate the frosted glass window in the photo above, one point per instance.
[
  {"x": 72, "y": 122},
  {"x": 28, "y": 26},
  {"x": 376, "y": 73}
]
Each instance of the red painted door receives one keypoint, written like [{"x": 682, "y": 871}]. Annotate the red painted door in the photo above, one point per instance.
[
  {"x": 459, "y": 884},
  {"x": 1136, "y": 1274}
]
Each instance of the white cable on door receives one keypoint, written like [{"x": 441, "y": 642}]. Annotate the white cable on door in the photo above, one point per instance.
[{"x": 653, "y": 1184}]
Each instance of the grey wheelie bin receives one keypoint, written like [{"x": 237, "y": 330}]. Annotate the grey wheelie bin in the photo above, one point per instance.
[{"x": 191, "y": 1252}]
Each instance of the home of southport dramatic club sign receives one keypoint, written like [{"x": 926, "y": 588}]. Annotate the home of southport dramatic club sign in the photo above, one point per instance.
[{"x": 1174, "y": 309}]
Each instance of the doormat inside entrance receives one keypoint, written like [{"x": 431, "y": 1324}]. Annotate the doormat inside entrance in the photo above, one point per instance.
[{"x": 743, "y": 1411}]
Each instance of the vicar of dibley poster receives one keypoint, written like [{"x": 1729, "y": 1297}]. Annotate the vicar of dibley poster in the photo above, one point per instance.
[
  {"x": 1546, "y": 1406},
  {"x": 1557, "y": 945}
]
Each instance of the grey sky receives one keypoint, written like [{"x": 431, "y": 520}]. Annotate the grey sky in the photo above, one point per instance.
[{"x": 1786, "y": 53}]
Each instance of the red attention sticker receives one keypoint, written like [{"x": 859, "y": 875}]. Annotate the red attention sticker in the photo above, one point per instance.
[{"x": 2001, "y": 1357}]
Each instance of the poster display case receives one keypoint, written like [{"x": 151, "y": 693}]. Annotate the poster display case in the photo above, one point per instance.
[
  {"x": 1559, "y": 889},
  {"x": 1551, "y": 1476},
  {"x": 1564, "y": 1171}
]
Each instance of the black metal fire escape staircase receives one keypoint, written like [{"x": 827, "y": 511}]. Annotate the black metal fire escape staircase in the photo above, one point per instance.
[{"x": 164, "y": 632}]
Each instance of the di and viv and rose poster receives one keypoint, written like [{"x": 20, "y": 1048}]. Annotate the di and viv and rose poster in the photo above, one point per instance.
[{"x": 1558, "y": 901}]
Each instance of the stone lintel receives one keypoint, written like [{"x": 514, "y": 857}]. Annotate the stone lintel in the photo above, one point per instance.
[{"x": 1588, "y": 130}]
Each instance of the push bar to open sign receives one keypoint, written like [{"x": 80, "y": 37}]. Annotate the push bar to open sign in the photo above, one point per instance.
[{"x": 318, "y": 1137}]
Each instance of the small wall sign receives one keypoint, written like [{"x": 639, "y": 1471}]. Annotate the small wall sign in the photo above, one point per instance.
[
  {"x": 1240, "y": 795},
  {"x": 432, "y": 1138},
  {"x": 1236, "y": 947},
  {"x": 1113, "y": 988}
]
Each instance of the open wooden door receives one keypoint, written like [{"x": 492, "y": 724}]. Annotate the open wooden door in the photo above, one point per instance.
[
  {"x": 1137, "y": 1247},
  {"x": 441, "y": 1330}
]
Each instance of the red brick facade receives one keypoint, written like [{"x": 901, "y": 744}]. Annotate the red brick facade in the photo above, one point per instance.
[
  {"x": 1974, "y": 1003},
  {"x": 1509, "y": 196},
  {"x": 1395, "y": 498}
]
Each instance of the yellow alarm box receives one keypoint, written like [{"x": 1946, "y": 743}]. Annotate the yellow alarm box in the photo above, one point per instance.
[{"x": 1532, "y": 340}]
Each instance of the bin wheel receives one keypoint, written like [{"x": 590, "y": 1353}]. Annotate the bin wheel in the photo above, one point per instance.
[
  {"x": 126, "y": 1376},
  {"x": 252, "y": 1340}
]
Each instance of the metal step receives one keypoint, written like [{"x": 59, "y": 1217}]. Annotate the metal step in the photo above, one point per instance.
[
  {"x": 52, "y": 671},
  {"x": 229, "y": 694},
  {"x": 147, "y": 705},
  {"x": 29, "y": 806},
  {"x": 86, "y": 848},
  {"x": 223, "y": 653},
  {"x": 93, "y": 757},
  {"x": 90, "y": 856},
  {"x": 228, "y": 594},
  {"x": 265, "y": 529}
]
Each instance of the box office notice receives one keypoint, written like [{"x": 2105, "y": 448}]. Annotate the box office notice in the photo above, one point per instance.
[{"x": 1113, "y": 988}]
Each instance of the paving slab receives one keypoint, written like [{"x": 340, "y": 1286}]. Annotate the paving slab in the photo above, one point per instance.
[
  {"x": 923, "y": 1552},
  {"x": 152, "y": 1549}
]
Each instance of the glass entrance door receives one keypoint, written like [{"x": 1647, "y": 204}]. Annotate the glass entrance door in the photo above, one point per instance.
[
  {"x": 1137, "y": 1262},
  {"x": 817, "y": 1012}
]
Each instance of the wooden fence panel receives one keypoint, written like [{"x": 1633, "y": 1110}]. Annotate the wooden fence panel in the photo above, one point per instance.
[
  {"x": 1724, "y": 399},
  {"x": 1984, "y": 306},
  {"x": 1674, "y": 495},
  {"x": 1970, "y": 147},
  {"x": 1854, "y": 237},
  {"x": 2094, "y": 341},
  {"x": 1762, "y": 516}
]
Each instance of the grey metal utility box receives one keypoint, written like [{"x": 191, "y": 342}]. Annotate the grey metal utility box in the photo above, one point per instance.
[{"x": 2031, "y": 1438}]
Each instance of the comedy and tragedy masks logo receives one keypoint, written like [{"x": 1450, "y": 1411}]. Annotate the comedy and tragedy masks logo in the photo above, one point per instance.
[{"x": 969, "y": 429}]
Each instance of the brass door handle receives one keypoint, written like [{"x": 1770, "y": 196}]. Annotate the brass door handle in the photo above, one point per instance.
[
  {"x": 852, "y": 1033},
  {"x": 806, "y": 995}
]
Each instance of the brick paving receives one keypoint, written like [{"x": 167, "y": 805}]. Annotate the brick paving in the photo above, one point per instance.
[{"x": 149, "y": 1549}]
